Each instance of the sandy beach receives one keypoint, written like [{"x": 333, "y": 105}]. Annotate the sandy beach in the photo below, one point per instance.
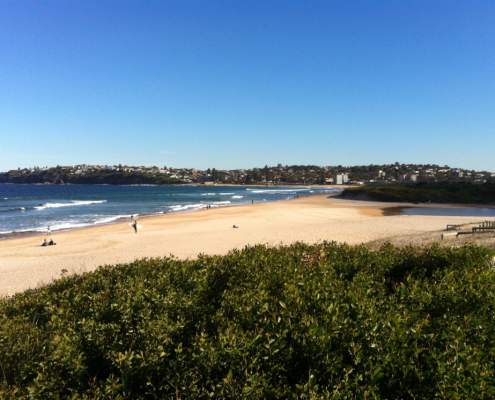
[{"x": 25, "y": 264}]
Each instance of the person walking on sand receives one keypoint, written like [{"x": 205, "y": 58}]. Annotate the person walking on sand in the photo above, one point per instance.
[{"x": 134, "y": 224}]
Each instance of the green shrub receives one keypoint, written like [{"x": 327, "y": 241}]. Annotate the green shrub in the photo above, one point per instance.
[
  {"x": 462, "y": 193},
  {"x": 319, "y": 321}
]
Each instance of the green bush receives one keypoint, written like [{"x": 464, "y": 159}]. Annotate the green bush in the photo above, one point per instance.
[
  {"x": 462, "y": 193},
  {"x": 319, "y": 321}
]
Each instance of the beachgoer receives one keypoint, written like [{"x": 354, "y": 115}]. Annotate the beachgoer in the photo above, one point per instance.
[
  {"x": 134, "y": 224},
  {"x": 51, "y": 243},
  {"x": 45, "y": 243},
  {"x": 235, "y": 226}
]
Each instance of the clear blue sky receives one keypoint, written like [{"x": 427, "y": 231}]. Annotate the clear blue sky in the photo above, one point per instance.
[{"x": 244, "y": 83}]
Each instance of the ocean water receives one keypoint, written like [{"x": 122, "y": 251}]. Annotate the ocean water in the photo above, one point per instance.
[
  {"x": 26, "y": 208},
  {"x": 451, "y": 211}
]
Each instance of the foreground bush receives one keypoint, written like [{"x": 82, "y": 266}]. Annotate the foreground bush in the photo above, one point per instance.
[{"x": 310, "y": 322}]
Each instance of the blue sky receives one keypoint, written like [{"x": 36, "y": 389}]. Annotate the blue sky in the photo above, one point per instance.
[{"x": 232, "y": 84}]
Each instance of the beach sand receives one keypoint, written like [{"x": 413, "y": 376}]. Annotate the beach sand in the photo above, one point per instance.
[{"x": 25, "y": 264}]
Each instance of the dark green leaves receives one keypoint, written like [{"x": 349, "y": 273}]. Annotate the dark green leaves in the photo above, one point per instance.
[{"x": 316, "y": 322}]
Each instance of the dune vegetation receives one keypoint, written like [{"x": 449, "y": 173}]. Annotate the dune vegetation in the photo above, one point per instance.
[
  {"x": 462, "y": 193},
  {"x": 321, "y": 321}
]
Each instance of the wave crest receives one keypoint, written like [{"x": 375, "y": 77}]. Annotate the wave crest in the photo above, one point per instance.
[{"x": 72, "y": 203}]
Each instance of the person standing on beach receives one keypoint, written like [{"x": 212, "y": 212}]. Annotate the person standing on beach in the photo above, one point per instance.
[{"x": 134, "y": 224}]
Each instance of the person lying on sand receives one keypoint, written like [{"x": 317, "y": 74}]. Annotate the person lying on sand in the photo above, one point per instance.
[{"x": 235, "y": 226}]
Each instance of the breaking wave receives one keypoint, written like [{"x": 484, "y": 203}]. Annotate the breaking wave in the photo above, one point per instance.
[
  {"x": 72, "y": 203},
  {"x": 276, "y": 191}
]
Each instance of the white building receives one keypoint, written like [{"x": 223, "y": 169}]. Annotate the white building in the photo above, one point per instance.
[{"x": 341, "y": 179}]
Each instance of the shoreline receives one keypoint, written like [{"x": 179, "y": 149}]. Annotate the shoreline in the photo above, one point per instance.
[
  {"x": 386, "y": 208},
  {"x": 380, "y": 208},
  {"x": 38, "y": 233},
  {"x": 24, "y": 264}
]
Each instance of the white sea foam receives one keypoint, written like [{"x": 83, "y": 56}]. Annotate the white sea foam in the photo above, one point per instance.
[
  {"x": 226, "y": 194},
  {"x": 60, "y": 225},
  {"x": 237, "y": 197},
  {"x": 141, "y": 184},
  {"x": 69, "y": 225},
  {"x": 276, "y": 191},
  {"x": 220, "y": 203},
  {"x": 208, "y": 194},
  {"x": 198, "y": 206},
  {"x": 72, "y": 203},
  {"x": 43, "y": 229},
  {"x": 184, "y": 207},
  {"x": 106, "y": 220}
]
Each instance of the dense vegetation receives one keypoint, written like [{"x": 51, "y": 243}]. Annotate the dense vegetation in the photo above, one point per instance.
[
  {"x": 310, "y": 322},
  {"x": 427, "y": 192}
]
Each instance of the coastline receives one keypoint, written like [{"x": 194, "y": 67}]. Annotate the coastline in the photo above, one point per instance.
[
  {"x": 117, "y": 220},
  {"x": 25, "y": 264}
]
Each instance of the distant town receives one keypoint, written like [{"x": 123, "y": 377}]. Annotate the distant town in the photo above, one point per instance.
[{"x": 268, "y": 175}]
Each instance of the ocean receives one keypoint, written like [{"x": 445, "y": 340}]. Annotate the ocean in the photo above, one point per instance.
[
  {"x": 37, "y": 208},
  {"x": 451, "y": 211}
]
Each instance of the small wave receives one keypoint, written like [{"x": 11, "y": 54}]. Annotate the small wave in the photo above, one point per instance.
[
  {"x": 137, "y": 184},
  {"x": 69, "y": 225},
  {"x": 237, "y": 197},
  {"x": 220, "y": 203},
  {"x": 184, "y": 207},
  {"x": 226, "y": 194},
  {"x": 276, "y": 191},
  {"x": 12, "y": 209},
  {"x": 60, "y": 225},
  {"x": 198, "y": 206},
  {"x": 72, "y": 203},
  {"x": 25, "y": 230},
  {"x": 113, "y": 218},
  {"x": 77, "y": 224},
  {"x": 208, "y": 194}
]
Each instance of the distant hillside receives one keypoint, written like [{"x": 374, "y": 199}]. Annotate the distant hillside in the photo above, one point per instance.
[
  {"x": 465, "y": 193},
  {"x": 111, "y": 177},
  {"x": 299, "y": 322},
  {"x": 268, "y": 175}
]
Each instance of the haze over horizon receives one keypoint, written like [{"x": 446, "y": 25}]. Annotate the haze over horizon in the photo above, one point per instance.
[{"x": 240, "y": 85}]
